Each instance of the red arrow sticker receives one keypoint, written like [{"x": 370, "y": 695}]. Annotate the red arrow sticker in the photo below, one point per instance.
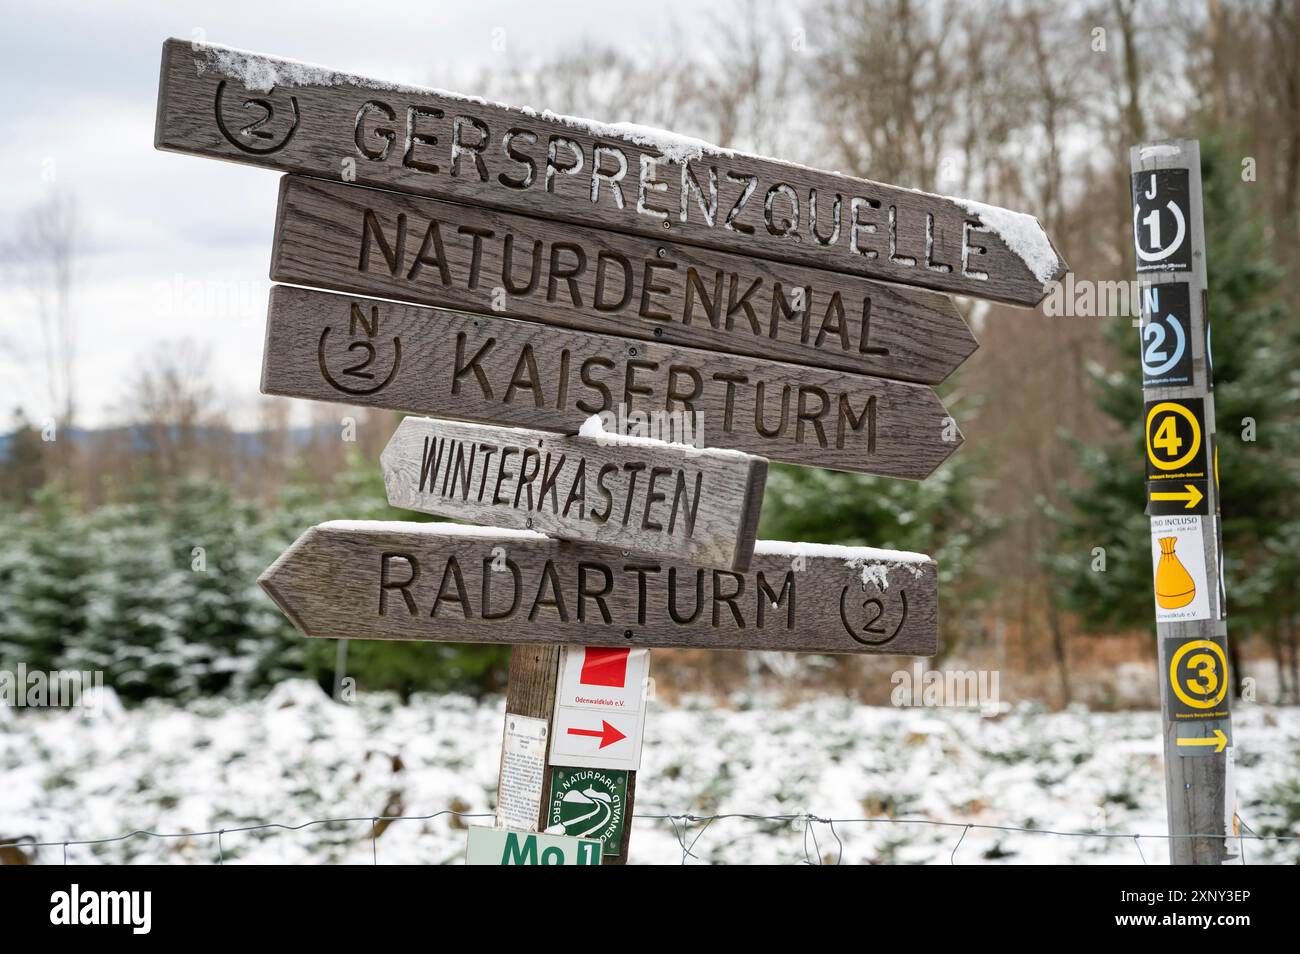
[{"x": 607, "y": 734}]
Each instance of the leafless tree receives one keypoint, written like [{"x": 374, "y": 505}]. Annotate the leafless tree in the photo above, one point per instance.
[
  {"x": 170, "y": 398},
  {"x": 43, "y": 257}
]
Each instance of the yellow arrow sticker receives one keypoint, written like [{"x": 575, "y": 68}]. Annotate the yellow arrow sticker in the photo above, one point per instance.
[
  {"x": 1218, "y": 740},
  {"x": 1189, "y": 496}
]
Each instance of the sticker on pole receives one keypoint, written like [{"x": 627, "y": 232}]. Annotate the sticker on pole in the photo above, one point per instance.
[
  {"x": 1166, "y": 335},
  {"x": 589, "y": 803},
  {"x": 1196, "y": 678},
  {"x": 1162, "y": 220},
  {"x": 1199, "y": 738},
  {"x": 1179, "y": 563},
  {"x": 600, "y": 708},
  {"x": 1175, "y": 440},
  {"x": 1169, "y": 498}
]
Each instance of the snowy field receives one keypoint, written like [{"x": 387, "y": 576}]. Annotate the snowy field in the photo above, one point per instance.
[{"x": 296, "y": 756}]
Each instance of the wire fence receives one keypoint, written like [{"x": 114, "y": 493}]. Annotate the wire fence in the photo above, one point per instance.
[{"x": 681, "y": 826}]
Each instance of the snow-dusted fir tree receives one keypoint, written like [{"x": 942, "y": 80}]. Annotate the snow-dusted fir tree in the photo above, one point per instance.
[
  {"x": 46, "y": 593},
  {"x": 132, "y": 629}
]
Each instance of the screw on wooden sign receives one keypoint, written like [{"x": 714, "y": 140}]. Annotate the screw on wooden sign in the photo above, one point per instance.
[
  {"x": 452, "y": 583},
  {"x": 499, "y": 371},
  {"x": 423, "y": 250},
  {"x": 645, "y": 496},
  {"x": 255, "y": 109}
]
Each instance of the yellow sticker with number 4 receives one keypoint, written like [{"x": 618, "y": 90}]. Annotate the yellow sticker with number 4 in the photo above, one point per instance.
[{"x": 1174, "y": 438}]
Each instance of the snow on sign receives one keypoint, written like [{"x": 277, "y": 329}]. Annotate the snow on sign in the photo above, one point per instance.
[
  {"x": 468, "y": 584},
  {"x": 633, "y": 494},
  {"x": 600, "y": 707},
  {"x": 249, "y": 108}
]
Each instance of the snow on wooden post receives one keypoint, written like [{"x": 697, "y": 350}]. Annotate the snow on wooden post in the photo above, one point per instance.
[{"x": 1183, "y": 500}]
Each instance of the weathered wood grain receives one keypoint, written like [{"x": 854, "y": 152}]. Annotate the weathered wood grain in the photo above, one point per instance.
[
  {"x": 378, "y": 580},
  {"x": 247, "y": 108},
  {"x": 697, "y": 505},
  {"x": 520, "y": 374},
  {"x": 395, "y": 245}
]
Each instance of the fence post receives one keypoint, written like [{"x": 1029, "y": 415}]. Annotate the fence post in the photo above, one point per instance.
[{"x": 1182, "y": 496}]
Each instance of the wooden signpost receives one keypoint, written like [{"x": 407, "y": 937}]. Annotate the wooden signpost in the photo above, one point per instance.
[
  {"x": 642, "y": 495},
  {"x": 452, "y": 583},
  {"x": 243, "y": 107},
  {"x": 521, "y": 374},
  {"x": 334, "y": 235},
  {"x": 579, "y": 270},
  {"x": 1183, "y": 501}
]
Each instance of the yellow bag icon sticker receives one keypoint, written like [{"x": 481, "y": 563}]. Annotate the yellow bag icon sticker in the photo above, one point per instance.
[
  {"x": 1180, "y": 569},
  {"x": 1175, "y": 587}
]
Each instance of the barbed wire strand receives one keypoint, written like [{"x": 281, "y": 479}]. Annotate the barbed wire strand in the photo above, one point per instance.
[
  {"x": 952, "y": 858},
  {"x": 685, "y": 820},
  {"x": 1138, "y": 845}
]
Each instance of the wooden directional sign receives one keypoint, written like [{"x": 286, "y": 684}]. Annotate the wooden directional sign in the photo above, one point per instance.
[
  {"x": 499, "y": 371},
  {"x": 646, "y": 496},
  {"x": 227, "y": 104},
  {"x": 423, "y": 250},
  {"x": 454, "y": 583}
]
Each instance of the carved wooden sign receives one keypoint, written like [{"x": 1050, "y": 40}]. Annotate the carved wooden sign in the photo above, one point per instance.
[
  {"x": 243, "y": 107},
  {"x": 643, "y": 496},
  {"x": 446, "y": 582},
  {"x": 500, "y": 371},
  {"x": 372, "y": 242}
]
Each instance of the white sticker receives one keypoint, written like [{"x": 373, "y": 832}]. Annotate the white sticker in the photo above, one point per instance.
[
  {"x": 1178, "y": 562},
  {"x": 607, "y": 679},
  {"x": 523, "y": 766},
  {"x": 600, "y": 706}
]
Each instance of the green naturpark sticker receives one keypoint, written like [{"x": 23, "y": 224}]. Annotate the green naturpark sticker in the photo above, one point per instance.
[{"x": 589, "y": 803}]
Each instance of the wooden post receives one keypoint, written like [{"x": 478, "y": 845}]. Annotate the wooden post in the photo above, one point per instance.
[
  {"x": 1183, "y": 500},
  {"x": 530, "y": 691}
]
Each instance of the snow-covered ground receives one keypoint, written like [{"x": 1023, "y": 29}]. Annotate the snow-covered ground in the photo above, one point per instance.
[{"x": 296, "y": 756}]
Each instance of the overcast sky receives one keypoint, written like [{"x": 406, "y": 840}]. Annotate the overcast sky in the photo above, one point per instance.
[{"x": 161, "y": 228}]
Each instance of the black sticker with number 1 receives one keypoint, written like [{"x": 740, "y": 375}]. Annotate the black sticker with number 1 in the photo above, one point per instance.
[{"x": 1162, "y": 220}]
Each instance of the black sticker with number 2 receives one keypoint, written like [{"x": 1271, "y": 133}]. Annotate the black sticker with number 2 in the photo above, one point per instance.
[{"x": 1166, "y": 335}]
